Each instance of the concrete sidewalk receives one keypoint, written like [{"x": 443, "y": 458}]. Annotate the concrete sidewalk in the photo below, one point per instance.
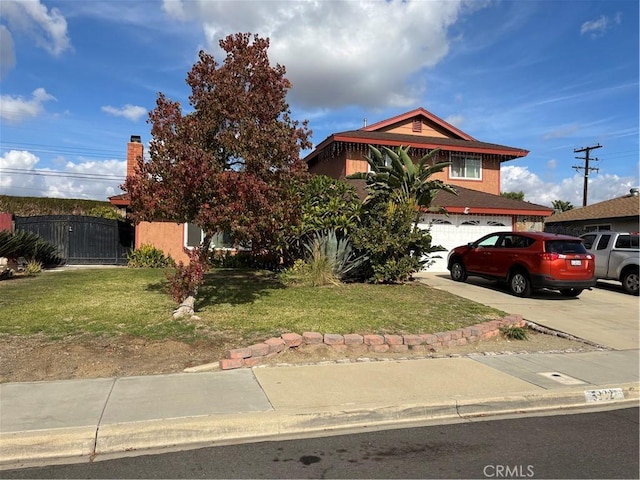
[{"x": 84, "y": 419}]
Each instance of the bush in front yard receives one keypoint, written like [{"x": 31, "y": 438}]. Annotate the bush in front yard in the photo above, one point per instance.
[
  {"x": 28, "y": 245},
  {"x": 148, "y": 256}
]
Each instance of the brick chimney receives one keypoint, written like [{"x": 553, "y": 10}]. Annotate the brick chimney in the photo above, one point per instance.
[{"x": 134, "y": 150}]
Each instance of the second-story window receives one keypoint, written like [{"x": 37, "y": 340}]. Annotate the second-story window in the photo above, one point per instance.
[{"x": 466, "y": 166}]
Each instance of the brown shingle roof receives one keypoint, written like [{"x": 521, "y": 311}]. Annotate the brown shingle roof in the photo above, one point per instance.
[
  {"x": 627, "y": 206},
  {"x": 473, "y": 198},
  {"x": 477, "y": 202}
]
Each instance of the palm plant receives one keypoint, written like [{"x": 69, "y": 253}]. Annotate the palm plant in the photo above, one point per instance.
[{"x": 396, "y": 177}]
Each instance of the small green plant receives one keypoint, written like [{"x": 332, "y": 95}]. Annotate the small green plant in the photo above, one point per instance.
[
  {"x": 513, "y": 332},
  {"x": 148, "y": 256},
  {"x": 33, "y": 267}
]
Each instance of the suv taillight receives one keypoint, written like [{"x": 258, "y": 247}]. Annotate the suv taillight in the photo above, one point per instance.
[{"x": 549, "y": 256}]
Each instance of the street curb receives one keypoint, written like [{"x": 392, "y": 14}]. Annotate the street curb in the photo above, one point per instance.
[{"x": 210, "y": 430}]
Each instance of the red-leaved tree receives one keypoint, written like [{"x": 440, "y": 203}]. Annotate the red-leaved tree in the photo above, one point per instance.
[{"x": 232, "y": 163}]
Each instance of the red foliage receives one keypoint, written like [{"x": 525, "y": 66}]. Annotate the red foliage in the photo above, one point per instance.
[
  {"x": 185, "y": 280},
  {"x": 232, "y": 164}
]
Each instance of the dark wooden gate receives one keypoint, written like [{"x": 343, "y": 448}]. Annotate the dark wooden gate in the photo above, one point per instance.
[{"x": 83, "y": 240}]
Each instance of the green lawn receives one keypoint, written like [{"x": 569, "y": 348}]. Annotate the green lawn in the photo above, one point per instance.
[{"x": 248, "y": 304}]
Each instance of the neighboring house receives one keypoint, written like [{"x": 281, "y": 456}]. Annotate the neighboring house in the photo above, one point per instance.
[
  {"x": 478, "y": 208},
  {"x": 618, "y": 214}
]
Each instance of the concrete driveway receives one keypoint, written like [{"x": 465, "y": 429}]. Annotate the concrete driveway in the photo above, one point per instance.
[{"x": 604, "y": 315}]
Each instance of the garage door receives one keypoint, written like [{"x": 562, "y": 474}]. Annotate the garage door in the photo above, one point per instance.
[{"x": 456, "y": 230}]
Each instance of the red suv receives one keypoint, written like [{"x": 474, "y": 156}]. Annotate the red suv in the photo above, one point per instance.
[{"x": 526, "y": 261}]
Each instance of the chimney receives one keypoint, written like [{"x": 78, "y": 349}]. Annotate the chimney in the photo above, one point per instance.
[{"x": 134, "y": 150}]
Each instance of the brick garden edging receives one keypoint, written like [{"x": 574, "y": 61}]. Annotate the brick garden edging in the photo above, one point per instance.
[{"x": 431, "y": 342}]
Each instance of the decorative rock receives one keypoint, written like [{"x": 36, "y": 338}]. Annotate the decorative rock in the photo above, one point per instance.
[
  {"x": 239, "y": 353},
  {"x": 333, "y": 339},
  {"x": 412, "y": 339},
  {"x": 231, "y": 363},
  {"x": 185, "y": 309},
  {"x": 395, "y": 348},
  {"x": 275, "y": 344},
  {"x": 353, "y": 339},
  {"x": 292, "y": 339},
  {"x": 260, "y": 350},
  {"x": 379, "y": 348},
  {"x": 312, "y": 337},
  {"x": 393, "y": 339},
  {"x": 373, "y": 340}
]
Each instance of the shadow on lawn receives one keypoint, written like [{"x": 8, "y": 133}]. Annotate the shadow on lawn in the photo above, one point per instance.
[{"x": 232, "y": 286}]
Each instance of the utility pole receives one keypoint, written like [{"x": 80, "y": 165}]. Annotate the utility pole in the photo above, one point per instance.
[{"x": 586, "y": 169}]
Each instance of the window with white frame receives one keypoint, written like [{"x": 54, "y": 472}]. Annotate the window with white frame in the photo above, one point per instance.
[
  {"x": 193, "y": 237},
  {"x": 385, "y": 157},
  {"x": 466, "y": 166}
]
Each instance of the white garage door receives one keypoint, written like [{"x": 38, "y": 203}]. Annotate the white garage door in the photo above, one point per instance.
[{"x": 456, "y": 230}]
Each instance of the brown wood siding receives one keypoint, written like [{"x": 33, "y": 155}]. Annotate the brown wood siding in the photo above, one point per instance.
[
  {"x": 407, "y": 129},
  {"x": 331, "y": 167}
]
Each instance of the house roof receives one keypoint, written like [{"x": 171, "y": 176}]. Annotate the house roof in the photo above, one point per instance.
[
  {"x": 418, "y": 112},
  {"x": 475, "y": 202},
  {"x": 454, "y": 139},
  {"x": 625, "y": 206},
  {"x": 121, "y": 200}
]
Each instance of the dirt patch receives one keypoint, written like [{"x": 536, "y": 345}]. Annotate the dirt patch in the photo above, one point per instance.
[{"x": 36, "y": 358}]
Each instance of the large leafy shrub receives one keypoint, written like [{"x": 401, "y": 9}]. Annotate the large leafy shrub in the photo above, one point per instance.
[
  {"x": 326, "y": 204},
  {"x": 29, "y": 245},
  {"x": 395, "y": 247},
  {"x": 399, "y": 190}
]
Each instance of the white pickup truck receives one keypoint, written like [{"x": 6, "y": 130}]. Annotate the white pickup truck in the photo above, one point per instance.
[{"x": 617, "y": 257}]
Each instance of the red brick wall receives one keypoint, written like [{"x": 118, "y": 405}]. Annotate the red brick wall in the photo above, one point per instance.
[{"x": 134, "y": 150}]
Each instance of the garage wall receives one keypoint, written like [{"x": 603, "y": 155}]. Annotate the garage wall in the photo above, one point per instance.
[{"x": 454, "y": 230}]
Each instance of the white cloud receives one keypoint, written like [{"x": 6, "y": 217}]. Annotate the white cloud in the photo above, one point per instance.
[
  {"x": 598, "y": 27},
  {"x": 343, "y": 52},
  {"x": 7, "y": 52},
  {"x": 47, "y": 27},
  {"x": 600, "y": 187},
  {"x": 12, "y": 181},
  {"x": 132, "y": 112},
  {"x": 14, "y": 109},
  {"x": 95, "y": 180}
]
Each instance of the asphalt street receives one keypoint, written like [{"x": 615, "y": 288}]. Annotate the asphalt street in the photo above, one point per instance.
[{"x": 594, "y": 445}]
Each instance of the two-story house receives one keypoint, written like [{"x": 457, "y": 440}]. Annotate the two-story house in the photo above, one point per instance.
[
  {"x": 478, "y": 208},
  {"x": 475, "y": 171}
]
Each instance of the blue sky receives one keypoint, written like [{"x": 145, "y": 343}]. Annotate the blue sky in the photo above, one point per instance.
[{"x": 78, "y": 78}]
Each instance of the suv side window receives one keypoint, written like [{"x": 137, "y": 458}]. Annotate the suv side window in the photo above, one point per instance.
[
  {"x": 603, "y": 243},
  {"x": 490, "y": 241},
  {"x": 516, "y": 241}
]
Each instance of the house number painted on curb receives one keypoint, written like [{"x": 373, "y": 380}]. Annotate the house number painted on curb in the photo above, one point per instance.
[{"x": 603, "y": 395}]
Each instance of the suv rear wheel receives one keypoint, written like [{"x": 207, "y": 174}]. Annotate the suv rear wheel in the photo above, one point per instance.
[
  {"x": 519, "y": 283},
  {"x": 458, "y": 272}
]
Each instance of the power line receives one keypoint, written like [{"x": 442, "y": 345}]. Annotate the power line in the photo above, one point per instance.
[{"x": 54, "y": 173}]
